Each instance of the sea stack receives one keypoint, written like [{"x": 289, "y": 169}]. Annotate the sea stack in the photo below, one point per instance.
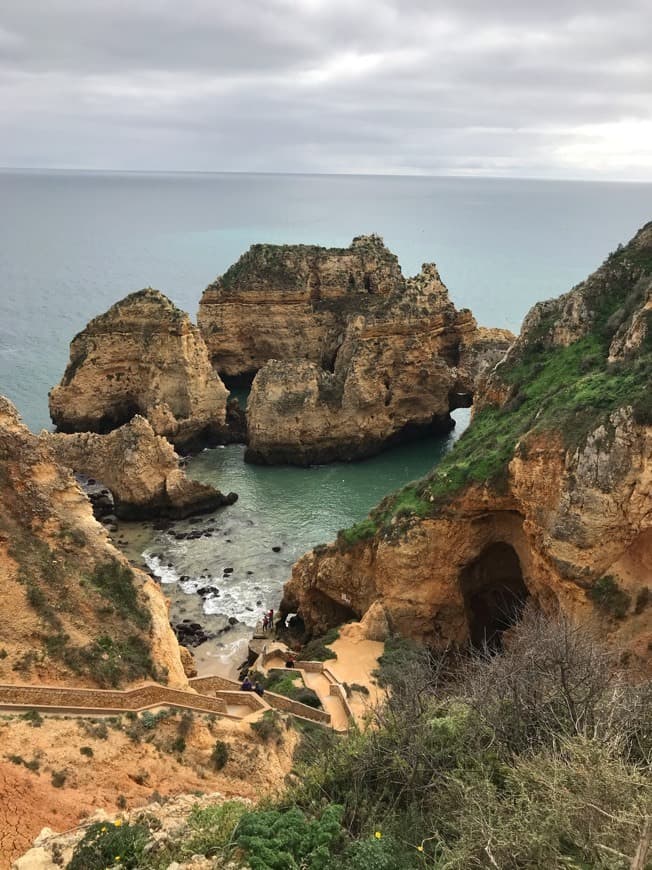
[{"x": 142, "y": 356}]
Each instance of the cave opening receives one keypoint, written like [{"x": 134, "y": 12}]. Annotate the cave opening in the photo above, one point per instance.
[
  {"x": 121, "y": 413},
  {"x": 494, "y": 594}
]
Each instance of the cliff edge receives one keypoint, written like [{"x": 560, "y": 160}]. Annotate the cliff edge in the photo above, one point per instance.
[{"x": 546, "y": 498}]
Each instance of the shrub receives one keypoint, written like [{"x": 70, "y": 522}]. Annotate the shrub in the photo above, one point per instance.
[
  {"x": 121, "y": 801},
  {"x": 219, "y": 755},
  {"x": 3, "y": 653},
  {"x": 282, "y": 839},
  {"x": 268, "y": 727},
  {"x": 609, "y": 597},
  {"x": 178, "y": 745},
  {"x": 59, "y": 778},
  {"x": 317, "y": 650},
  {"x": 94, "y": 728},
  {"x": 283, "y": 683},
  {"x": 212, "y": 828},
  {"x": 33, "y": 717},
  {"x": 104, "y": 842},
  {"x": 86, "y": 750}
]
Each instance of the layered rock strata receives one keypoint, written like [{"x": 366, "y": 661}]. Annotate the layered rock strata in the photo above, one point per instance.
[
  {"x": 292, "y": 302},
  {"x": 140, "y": 468},
  {"x": 74, "y": 611},
  {"x": 142, "y": 356},
  {"x": 398, "y": 372},
  {"x": 546, "y": 498}
]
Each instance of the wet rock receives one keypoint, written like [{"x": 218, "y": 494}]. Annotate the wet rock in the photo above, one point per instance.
[{"x": 276, "y": 549}]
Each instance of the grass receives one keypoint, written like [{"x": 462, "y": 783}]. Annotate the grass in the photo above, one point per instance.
[{"x": 116, "y": 583}]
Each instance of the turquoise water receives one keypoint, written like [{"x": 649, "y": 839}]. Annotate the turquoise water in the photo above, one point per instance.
[
  {"x": 71, "y": 244},
  {"x": 291, "y": 509}
]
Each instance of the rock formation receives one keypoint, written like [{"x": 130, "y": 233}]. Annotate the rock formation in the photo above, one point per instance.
[
  {"x": 74, "y": 611},
  {"x": 140, "y": 468},
  {"x": 292, "y": 302},
  {"x": 547, "y": 497},
  {"x": 142, "y": 356},
  {"x": 399, "y": 371}
]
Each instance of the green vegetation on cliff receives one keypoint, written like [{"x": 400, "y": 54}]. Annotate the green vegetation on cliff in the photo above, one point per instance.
[
  {"x": 515, "y": 761},
  {"x": 566, "y": 390}
]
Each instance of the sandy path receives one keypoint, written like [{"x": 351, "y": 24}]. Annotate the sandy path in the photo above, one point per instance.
[
  {"x": 357, "y": 658},
  {"x": 331, "y": 703}
]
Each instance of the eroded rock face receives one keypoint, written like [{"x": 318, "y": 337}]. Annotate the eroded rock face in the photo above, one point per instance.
[
  {"x": 399, "y": 371},
  {"x": 292, "y": 302},
  {"x": 74, "y": 611},
  {"x": 140, "y": 468},
  {"x": 565, "y": 523},
  {"x": 143, "y": 356}
]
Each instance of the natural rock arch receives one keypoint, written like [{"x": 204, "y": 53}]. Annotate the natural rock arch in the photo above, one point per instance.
[{"x": 494, "y": 593}]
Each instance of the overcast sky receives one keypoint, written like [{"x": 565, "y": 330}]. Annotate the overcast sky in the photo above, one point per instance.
[{"x": 548, "y": 88}]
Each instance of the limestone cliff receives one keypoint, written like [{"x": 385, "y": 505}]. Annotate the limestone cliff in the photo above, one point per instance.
[
  {"x": 546, "y": 497},
  {"x": 140, "y": 468},
  {"x": 292, "y": 302},
  {"x": 142, "y": 356},
  {"x": 73, "y": 610},
  {"x": 399, "y": 370}
]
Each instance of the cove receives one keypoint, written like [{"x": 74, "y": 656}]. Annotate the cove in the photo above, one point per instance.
[{"x": 246, "y": 551}]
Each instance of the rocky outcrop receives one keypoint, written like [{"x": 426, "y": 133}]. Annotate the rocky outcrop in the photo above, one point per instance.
[
  {"x": 546, "y": 498},
  {"x": 140, "y": 469},
  {"x": 74, "y": 611},
  {"x": 398, "y": 372},
  {"x": 143, "y": 356},
  {"x": 292, "y": 302}
]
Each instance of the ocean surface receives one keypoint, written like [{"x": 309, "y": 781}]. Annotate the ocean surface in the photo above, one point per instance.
[{"x": 72, "y": 244}]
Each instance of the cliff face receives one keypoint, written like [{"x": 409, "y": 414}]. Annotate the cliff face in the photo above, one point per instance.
[
  {"x": 143, "y": 356},
  {"x": 399, "y": 370},
  {"x": 74, "y": 611},
  {"x": 140, "y": 468},
  {"x": 292, "y": 302},
  {"x": 547, "y": 497}
]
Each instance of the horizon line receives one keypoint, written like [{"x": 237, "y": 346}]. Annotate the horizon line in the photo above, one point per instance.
[{"x": 343, "y": 173}]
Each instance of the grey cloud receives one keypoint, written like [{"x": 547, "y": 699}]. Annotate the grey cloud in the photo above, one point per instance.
[{"x": 328, "y": 85}]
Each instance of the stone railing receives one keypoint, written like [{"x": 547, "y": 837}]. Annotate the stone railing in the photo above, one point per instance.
[
  {"x": 279, "y": 702},
  {"x": 242, "y": 699},
  {"x": 107, "y": 700}
]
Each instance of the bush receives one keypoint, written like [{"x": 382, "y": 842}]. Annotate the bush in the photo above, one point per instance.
[
  {"x": 219, "y": 755},
  {"x": 59, "y": 778},
  {"x": 317, "y": 650},
  {"x": 106, "y": 844},
  {"x": 212, "y": 828},
  {"x": 86, "y": 750},
  {"x": 284, "y": 839},
  {"x": 33, "y": 717},
  {"x": 268, "y": 727},
  {"x": 609, "y": 597},
  {"x": 178, "y": 745},
  {"x": 284, "y": 683}
]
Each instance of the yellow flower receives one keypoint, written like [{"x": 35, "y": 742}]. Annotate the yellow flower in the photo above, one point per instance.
[
  {"x": 378, "y": 835},
  {"x": 104, "y": 830},
  {"x": 117, "y": 858},
  {"x": 420, "y": 848},
  {"x": 117, "y": 823}
]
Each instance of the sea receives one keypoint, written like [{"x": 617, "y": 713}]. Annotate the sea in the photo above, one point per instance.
[{"x": 73, "y": 243}]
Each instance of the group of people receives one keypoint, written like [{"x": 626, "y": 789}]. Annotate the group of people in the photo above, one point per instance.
[
  {"x": 248, "y": 686},
  {"x": 268, "y": 620}
]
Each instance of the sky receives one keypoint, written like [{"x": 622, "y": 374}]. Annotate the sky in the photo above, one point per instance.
[{"x": 526, "y": 88}]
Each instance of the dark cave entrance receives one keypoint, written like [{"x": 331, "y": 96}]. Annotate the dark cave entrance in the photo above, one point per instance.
[{"x": 494, "y": 594}]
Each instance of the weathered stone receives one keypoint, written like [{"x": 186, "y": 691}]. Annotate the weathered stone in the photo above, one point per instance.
[
  {"x": 140, "y": 468},
  {"x": 143, "y": 356}
]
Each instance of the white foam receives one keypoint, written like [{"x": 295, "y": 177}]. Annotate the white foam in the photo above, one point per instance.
[{"x": 163, "y": 572}]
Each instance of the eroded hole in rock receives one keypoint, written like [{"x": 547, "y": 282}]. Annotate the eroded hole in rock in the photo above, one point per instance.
[
  {"x": 494, "y": 594},
  {"x": 118, "y": 416}
]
